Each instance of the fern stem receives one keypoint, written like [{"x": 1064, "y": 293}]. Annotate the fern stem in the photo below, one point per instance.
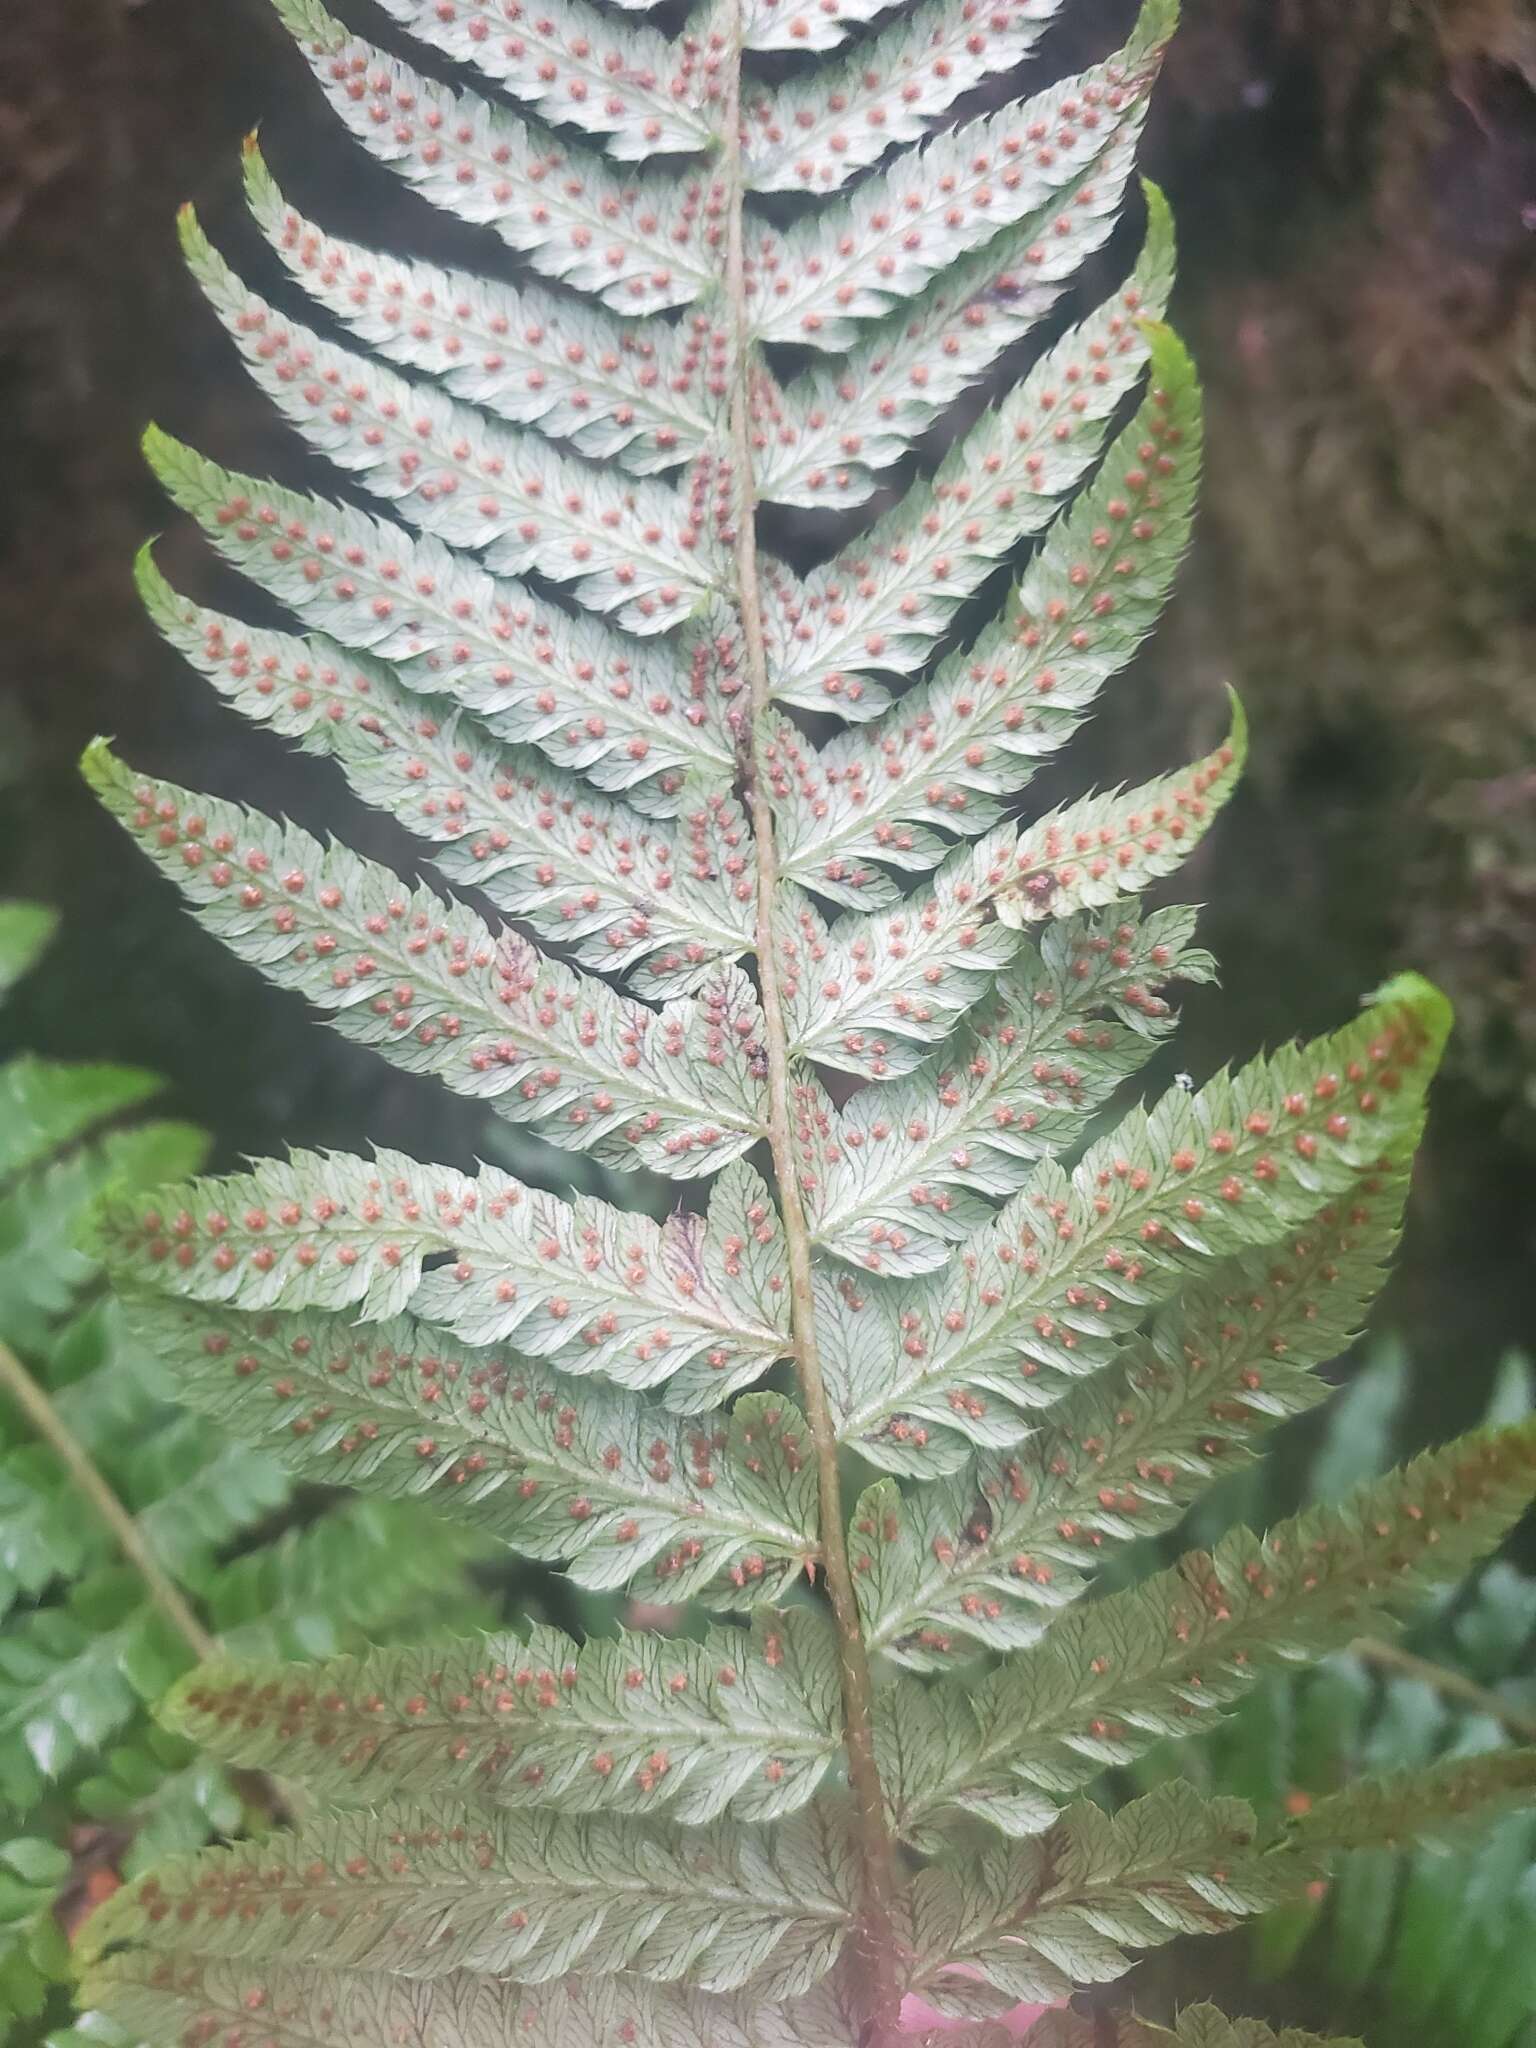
[
  {"x": 1451, "y": 1685},
  {"x": 882, "y": 1985},
  {"x": 51, "y": 1426}
]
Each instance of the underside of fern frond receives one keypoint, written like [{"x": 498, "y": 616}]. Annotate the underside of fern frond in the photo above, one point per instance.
[{"x": 839, "y": 973}]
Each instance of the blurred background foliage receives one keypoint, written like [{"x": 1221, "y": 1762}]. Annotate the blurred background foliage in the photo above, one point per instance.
[{"x": 1355, "y": 184}]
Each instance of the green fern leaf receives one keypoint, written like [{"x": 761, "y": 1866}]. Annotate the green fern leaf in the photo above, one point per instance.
[
  {"x": 25, "y": 929},
  {"x": 910, "y": 573},
  {"x": 984, "y": 1559},
  {"x": 1073, "y": 1908},
  {"x": 442, "y": 993},
  {"x": 1089, "y": 853},
  {"x": 904, "y": 225},
  {"x": 1111, "y": 1678},
  {"x": 736, "y": 1722},
  {"x": 640, "y": 392},
  {"x": 937, "y": 761},
  {"x": 606, "y": 1483},
  {"x": 1044, "y": 1327},
  {"x": 303, "y": 2008},
  {"x": 524, "y": 1897}
]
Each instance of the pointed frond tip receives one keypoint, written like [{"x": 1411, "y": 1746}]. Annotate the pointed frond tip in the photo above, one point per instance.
[{"x": 1090, "y": 852}]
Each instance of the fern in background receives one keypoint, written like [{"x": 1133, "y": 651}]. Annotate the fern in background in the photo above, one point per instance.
[
  {"x": 1427, "y": 1945},
  {"x": 118, "y": 1514},
  {"x": 880, "y": 1399}
]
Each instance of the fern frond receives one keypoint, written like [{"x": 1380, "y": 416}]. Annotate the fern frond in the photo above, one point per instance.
[
  {"x": 583, "y": 1283},
  {"x": 901, "y": 1167},
  {"x": 884, "y": 603},
  {"x": 33, "y": 1951},
  {"x": 1094, "y": 851},
  {"x": 814, "y": 133},
  {"x": 1032, "y": 1302},
  {"x": 984, "y": 1559},
  {"x": 564, "y": 209},
  {"x": 641, "y": 392},
  {"x": 734, "y": 1723},
  {"x": 439, "y": 992},
  {"x": 697, "y": 1304},
  {"x": 530, "y": 671},
  {"x": 73, "y": 1675},
  {"x": 370, "y": 1571},
  {"x": 1433, "y": 1805},
  {"x": 583, "y": 870},
  {"x": 642, "y": 95},
  {"x": 637, "y": 547},
  {"x": 937, "y": 761},
  {"x": 1045, "y": 1332},
  {"x": 911, "y": 365},
  {"x": 528, "y": 1897},
  {"x": 607, "y": 1483},
  {"x": 45, "y": 1105},
  {"x": 905, "y": 224},
  {"x": 1074, "y": 1907},
  {"x": 1112, "y": 1678},
  {"x": 181, "y": 1992}
]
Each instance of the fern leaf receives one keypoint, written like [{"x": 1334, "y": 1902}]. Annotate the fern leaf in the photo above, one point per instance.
[
  {"x": 45, "y": 1105},
  {"x": 984, "y": 1559},
  {"x": 33, "y": 1950},
  {"x": 572, "y": 216},
  {"x": 582, "y": 869},
  {"x": 599, "y": 1480},
  {"x": 42, "y": 1535},
  {"x": 1091, "y": 852},
  {"x": 437, "y": 991},
  {"x": 1037, "y": 1296},
  {"x": 25, "y": 930},
  {"x": 815, "y": 133},
  {"x": 1433, "y": 1804},
  {"x": 870, "y": 994},
  {"x": 319, "y": 1230},
  {"x": 642, "y": 95},
  {"x": 43, "y": 1270},
  {"x": 178, "y": 1992},
  {"x": 1073, "y": 1908},
  {"x": 1158, "y": 1659},
  {"x": 937, "y": 761},
  {"x": 698, "y": 1304},
  {"x": 897, "y": 1172},
  {"x": 73, "y": 1675},
  {"x": 1198, "y": 2026},
  {"x": 910, "y": 366},
  {"x": 635, "y": 547},
  {"x": 531, "y": 671},
  {"x": 735, "y": 1722},
  {"x": 883, "y": 603},
  {"x": 640, "y": 392},
  {"x": 368, "y": 1572},
  {"x": 900, "y": 228},
  {"x": 512, "y": 1895}
]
